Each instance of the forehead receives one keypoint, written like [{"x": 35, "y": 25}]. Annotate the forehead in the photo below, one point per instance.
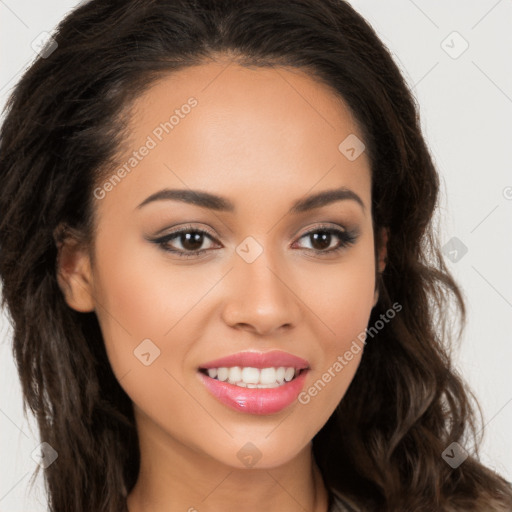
[
  {"x": 220, "y": 125},
  {"x": 258, "y": 99}
]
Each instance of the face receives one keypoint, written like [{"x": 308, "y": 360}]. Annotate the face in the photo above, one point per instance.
[{"x": 179, "y": 280}]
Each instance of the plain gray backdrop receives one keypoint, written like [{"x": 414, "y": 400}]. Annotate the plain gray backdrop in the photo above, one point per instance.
[{"x": 456, "y": 55}]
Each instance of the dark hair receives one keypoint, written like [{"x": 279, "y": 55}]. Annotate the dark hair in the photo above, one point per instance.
[{"x": 64, "y": 124}]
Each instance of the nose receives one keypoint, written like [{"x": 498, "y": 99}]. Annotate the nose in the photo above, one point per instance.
[{"x": 263, "y": 297}]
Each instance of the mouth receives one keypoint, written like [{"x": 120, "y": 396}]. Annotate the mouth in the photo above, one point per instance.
[{"x": 255, "y": 382}]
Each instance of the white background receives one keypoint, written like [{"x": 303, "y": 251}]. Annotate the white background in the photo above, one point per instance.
[{"x": 466, "y": 112}]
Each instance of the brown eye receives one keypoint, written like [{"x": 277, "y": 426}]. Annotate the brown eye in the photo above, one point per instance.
[
  {"x": 190, "y": 240},
  {"x": 321, "y": 239}
]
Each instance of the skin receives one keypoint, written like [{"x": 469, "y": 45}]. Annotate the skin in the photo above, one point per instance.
[{"x": 262, "y": 138}]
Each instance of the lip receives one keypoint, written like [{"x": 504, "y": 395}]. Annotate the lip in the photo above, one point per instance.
[
  {"x": 273, "y": 358},
  {"x": 253, "y": 400}
]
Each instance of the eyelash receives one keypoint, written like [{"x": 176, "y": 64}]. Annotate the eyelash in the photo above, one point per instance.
[{"x": 347, "y": 239}]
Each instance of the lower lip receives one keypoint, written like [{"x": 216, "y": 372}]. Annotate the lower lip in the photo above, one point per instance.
[{"x": 253, "y": 400}]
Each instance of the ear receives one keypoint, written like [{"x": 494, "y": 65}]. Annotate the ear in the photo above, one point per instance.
[
  {"x": 73, "y": 269},
  {"x": 382, "y": 257}
]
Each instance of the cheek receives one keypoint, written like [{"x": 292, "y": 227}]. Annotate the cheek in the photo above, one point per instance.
[
  {"x": 136, "y": 308},
  {"x": 343, "y": 299},
  {"x": 144, "y": 325},
  {"x": 139, "y": 291},
  {"x": 342, "y": 295}
]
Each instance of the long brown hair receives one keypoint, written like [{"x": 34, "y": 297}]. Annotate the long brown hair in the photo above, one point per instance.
[{"x": 64, "y": 123}]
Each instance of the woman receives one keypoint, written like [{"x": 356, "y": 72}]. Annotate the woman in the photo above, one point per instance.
[{"x": 161, "y": 167}]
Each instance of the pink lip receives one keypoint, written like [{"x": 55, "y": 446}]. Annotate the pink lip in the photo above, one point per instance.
[
  {"x": 253, "y": 400},
  {"x": 274, "y": 358}
]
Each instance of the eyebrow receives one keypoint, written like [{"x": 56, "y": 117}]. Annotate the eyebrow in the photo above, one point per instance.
[{"x": 222, "y": 204}]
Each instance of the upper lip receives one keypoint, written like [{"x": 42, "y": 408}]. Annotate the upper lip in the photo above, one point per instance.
[{"x": 273, "y": 358}]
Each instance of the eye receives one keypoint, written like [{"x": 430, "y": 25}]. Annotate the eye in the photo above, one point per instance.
[
  {"x": 192, "y": 239},
  {"x": 321, "y": 239}
]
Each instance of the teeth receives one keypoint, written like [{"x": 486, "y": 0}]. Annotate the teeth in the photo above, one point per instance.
[
  {"x": 235, "y": 375},
  {"x": 268, "y": 375},
  {"x": 249, "y": 377},
  {"x": 222, "y": 374},
  {"x": 289, "y": 374}
]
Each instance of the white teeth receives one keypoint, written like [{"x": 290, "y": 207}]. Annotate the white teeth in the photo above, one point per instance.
[
  {"x": 288, "y": 374},
  {"x": 249, "y": 377},
  {"x": 268, "y": 375},
  {"x": 222, "y": 374},
  {"x": 235, "y": 374}
]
